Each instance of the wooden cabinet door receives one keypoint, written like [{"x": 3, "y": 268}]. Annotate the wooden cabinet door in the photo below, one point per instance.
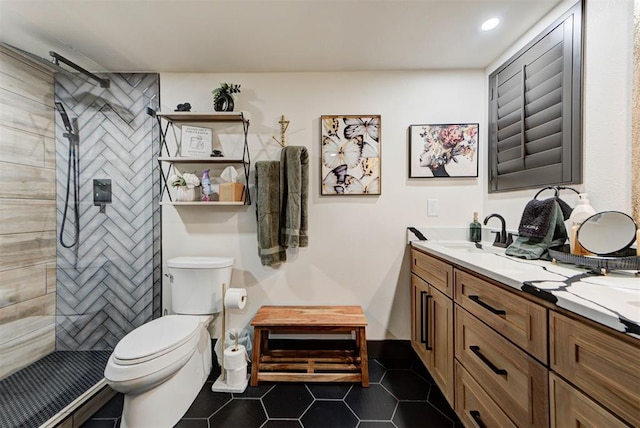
[
  {"x": 571, "y": 408},
  {"x": 441, "y": 341},
  {"x": 419, "y": 311},
  {"x": 605, "y": 367}
]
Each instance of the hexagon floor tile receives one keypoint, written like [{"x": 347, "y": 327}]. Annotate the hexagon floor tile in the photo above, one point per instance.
[{"x": 400, "y": 395}]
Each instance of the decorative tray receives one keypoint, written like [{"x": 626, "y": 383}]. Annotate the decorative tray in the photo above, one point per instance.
[{"x": 623, "y": 260}]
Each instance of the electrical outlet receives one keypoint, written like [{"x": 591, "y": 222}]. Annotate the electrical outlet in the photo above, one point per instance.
[{"x": 433, "y": 207}]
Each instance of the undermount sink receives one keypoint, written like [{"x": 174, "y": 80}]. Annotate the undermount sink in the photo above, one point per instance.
[{"x": 470, "y": 247}]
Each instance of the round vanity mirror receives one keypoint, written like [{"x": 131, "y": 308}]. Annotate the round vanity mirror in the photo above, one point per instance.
[{"x": 607, "y": 232}]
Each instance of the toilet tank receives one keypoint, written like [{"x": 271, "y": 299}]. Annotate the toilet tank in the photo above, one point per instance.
[{"x": 197, "y": 283}]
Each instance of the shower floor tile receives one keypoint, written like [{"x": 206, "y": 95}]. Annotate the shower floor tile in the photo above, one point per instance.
[
  {"x": 33, "y": 395},
  {"x": 403, "y": 400}
]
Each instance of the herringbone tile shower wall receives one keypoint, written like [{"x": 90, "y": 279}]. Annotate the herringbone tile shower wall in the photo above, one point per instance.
[{"x": 112, "y": 284}]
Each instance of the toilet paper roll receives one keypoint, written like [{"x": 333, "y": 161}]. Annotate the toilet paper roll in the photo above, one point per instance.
[
  {"x": 236, "y": 377},
  {"x": 235, "y": 298},
  {"x": 235, "y": 358}
]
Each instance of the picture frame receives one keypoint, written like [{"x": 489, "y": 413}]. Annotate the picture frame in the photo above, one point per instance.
[
  {"x": 196, "y": 141},
  {"x": 350, "y": 162},
  {"x": 443, "y": 150}
]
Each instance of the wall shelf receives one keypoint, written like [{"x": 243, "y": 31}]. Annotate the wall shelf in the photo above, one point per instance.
[{"x": 177, "y": 119}]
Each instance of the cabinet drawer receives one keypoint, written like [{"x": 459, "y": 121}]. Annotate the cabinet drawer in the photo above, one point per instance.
[
  {"x": 513, "y": 379},
  {"x": 571, "y": 408},
  {"x": 516, "y": 318},
  {"x": 603, "y": 366},
  {"x": 473, "y": 405},
  {"x": 436, "y": 272}
]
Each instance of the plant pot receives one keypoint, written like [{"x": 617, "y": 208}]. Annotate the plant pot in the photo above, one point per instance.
[
  {"x": 223, "y": 103},
  {"x": 184, "y": 194}
]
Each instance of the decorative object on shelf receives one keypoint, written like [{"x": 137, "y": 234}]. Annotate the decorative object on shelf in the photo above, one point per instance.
[
  {"x": 195, "y": 141},
  {"x": 183, "y": 107},
  {"x": 446, "y": 150},
  {"x": 184, "y": 185},
  {"x": 351, "y": 155},
  {"x": 206, "y": 186},
  {"x": 229, "y": 188},
  {"x": 216, "y": 153},
  {"x": 223, "y": 98},
  {"x": 284, "y": 124}
]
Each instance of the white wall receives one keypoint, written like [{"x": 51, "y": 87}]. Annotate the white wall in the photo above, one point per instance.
[
  {"x": 357, "y": 252},
  {"x": 608, "y": 61}
]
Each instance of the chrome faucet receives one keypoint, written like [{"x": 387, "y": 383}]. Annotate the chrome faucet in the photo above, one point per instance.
[{"x": 503, "y": 239}]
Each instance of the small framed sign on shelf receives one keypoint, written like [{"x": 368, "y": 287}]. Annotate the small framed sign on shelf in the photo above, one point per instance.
[{"x": 196, "y": 141}]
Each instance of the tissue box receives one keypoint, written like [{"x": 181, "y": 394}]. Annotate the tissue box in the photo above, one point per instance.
[{"x": 231, "y": 192}]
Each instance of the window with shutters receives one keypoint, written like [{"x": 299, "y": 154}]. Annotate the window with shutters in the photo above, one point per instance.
[{"x": 535, "y": 111}]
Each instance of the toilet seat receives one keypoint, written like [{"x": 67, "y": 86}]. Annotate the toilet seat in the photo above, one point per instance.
[{"x": 155, "y": 339}]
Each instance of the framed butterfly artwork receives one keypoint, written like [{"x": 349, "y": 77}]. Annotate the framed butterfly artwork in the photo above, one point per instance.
[
  {"x": 443, "y": 150},
  {"x": 350, "y": 155}
]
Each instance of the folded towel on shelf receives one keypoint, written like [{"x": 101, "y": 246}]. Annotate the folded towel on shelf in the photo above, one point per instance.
[
  {"x": 530, "y": 245},
  {"x": 268, "y": 213},
  {"x": 294, "y": 193}
]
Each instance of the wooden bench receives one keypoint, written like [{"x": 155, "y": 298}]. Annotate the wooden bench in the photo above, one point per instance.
[{"x": 330, "y": 365}]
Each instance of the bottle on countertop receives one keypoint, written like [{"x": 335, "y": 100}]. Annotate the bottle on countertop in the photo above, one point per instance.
[
  {"x": 580, "y": 213},
  {"x": 206, "y": 186},
  {"x": 475, "y": 229}
]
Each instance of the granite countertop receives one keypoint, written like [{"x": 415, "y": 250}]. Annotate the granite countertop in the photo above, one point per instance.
[{"x": 612, "y": 300}]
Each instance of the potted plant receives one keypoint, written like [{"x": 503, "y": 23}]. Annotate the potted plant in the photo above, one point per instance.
[
  {"x": 185, "y": 186},
  {"x": 223, "y": 98}
]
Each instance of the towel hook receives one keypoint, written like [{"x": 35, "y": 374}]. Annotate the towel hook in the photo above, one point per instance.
[
  {"x": 547, "y": 188},
  {"x": 284, "y": 124},
  {"x": 568, "y": 188}
]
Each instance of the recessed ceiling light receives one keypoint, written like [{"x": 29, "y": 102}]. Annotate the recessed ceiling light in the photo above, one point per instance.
[{"x": 490, "y": 24}]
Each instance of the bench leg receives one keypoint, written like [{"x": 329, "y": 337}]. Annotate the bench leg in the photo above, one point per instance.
[
  {"x": 257, "y": 351},
  {"x": 361, "y": 337}
]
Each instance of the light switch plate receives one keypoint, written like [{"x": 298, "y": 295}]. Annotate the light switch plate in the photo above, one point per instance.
[{"x": 433, "y": 207}]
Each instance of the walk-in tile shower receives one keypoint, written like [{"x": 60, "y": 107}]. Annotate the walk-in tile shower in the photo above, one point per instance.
[{"x": 109, "y": 282}]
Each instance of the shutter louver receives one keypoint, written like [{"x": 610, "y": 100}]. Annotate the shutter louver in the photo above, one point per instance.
[{"x": 534, "y": 96}]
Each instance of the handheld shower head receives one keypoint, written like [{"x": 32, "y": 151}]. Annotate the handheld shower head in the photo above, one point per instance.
[{"x": 65, "y": 118}]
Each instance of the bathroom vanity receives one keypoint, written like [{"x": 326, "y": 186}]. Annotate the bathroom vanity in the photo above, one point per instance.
[{"x": 520, "y": 343}]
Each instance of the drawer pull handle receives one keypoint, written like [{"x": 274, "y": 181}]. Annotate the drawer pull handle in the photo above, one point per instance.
[
  {"x": 424, "y": 332},
  {"x": 488, "y": 307},
  {"x": 422, "y": 339},
  {"x": 476, "y": 417},
  {"x": 476, "y": 350}
]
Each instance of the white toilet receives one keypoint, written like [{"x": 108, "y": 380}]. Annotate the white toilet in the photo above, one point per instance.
[{"x": 161, "y": 366}]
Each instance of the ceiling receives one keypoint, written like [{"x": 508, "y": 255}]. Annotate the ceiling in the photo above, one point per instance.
[{"x": 268, "y": 35}]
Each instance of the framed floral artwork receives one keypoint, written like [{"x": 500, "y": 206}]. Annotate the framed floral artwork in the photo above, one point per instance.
[
  {"x": 443, "y": 150},
  {"x": 350, "y": 155}
]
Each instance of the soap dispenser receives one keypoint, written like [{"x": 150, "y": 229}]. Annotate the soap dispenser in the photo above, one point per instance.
[
  {"x": 475, "y": 229},
  {"x": 580, "y": 213}
]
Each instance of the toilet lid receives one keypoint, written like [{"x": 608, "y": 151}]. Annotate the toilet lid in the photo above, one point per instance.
[{"x": 156, "y": 338}]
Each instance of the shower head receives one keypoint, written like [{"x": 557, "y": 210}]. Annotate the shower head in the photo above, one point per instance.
[{"x": 65, "y": 118}]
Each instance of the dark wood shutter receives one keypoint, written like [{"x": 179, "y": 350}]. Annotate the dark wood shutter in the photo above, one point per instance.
[{"x": 535, "y": 109}]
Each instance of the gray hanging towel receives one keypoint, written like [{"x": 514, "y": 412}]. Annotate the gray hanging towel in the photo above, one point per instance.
[
  {"x": 294, "y": 191},
  {"x": 268, "y": 212}
]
